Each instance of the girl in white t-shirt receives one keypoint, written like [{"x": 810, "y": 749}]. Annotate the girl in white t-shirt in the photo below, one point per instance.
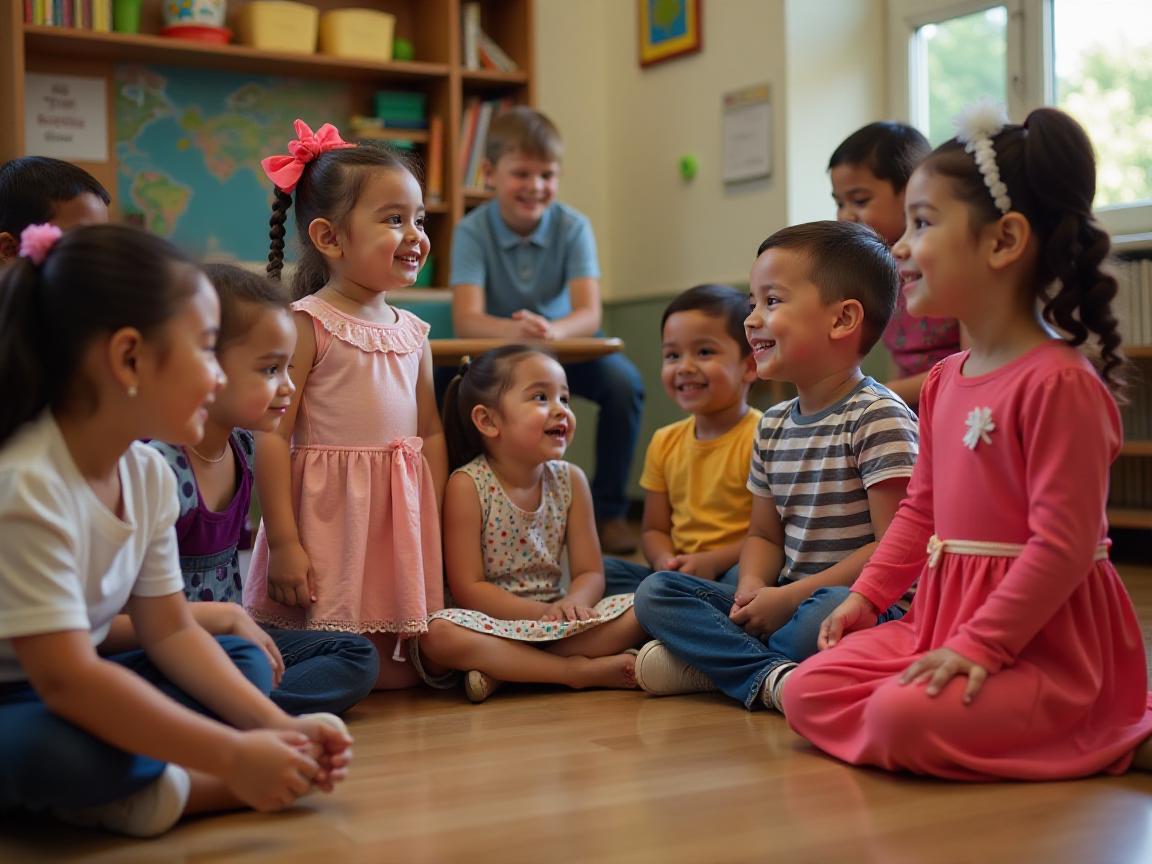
[{"x": 107, "y": 336}]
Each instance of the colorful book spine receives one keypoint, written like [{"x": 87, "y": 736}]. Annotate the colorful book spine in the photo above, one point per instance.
[{"x": 434, "y": 180}]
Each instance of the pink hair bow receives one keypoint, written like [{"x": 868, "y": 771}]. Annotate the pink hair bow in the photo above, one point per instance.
[
  {"x": 36, "y": 240},
  {"x": 285, "y": 171}
]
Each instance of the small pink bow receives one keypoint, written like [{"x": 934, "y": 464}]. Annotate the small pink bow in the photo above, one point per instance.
[
  {"x": 285, "y": 171},
  {"x": 36, "y": 240}
]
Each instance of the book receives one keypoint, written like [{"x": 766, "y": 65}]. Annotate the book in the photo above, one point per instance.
[
  {"x": 476, "y": 157},
  {"x": 434, "y": 164},
  {"x": 493, "y": 56},
  {"x": 468, "y": 120},
  {"x": 470, "y": 17}
]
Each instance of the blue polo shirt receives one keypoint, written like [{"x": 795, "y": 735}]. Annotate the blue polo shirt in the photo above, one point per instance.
[{"x": 530, "y": 272}]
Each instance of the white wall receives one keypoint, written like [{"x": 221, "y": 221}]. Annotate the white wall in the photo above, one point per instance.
[
  {"x": 626, "y": 127},
  {"x": 836, "y": 83}
]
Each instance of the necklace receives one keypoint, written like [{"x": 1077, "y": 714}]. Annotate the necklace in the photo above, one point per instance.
[{"x": 204, "y": 458}]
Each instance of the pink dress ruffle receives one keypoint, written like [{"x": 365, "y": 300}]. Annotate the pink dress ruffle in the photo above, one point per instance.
[
  {"x": 362, "y": 491},
  {"x": 1068, "y": 691}
]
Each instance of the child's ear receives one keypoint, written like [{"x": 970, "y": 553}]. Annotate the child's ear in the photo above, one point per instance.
[
  {"x": 487, "y": 166},
  {"x": 123, "y": 354},
  {"x": 324, "y": 237},
  {"x": 483, "y": 420},
  {"x": 849, "y": 319},
  {"x": 750, "y": 376},
  {"x": 1009, "y": 237},
  {"x": 9, "y": 246}
]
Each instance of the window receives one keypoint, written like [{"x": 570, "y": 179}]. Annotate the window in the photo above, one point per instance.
[{"x": 1092, "y": 58}]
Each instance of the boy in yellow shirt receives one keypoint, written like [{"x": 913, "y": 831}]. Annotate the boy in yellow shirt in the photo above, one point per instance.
[{"x": 697, "y": 503}]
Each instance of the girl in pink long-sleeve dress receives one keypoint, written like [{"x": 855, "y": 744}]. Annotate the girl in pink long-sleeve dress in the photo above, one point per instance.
[
  {"x": 351, "y": 483},
  {"x": 1021, "y": 657}
]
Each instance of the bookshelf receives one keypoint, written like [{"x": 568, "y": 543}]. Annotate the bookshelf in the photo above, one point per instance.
[
  {"x": 434, "y": 27},
  {"x": 1130, "y": 496}
]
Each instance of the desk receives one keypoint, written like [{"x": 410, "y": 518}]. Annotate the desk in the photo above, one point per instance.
[{"x": 449, "y": 352}]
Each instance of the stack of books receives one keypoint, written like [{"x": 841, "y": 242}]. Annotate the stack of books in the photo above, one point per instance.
[
  {"x": 83, "y": 14},
  {"x": 480, "y": 49},
  {"x": 474, "y": 125},
  {"x": 1133, "y": 303},
  {"x": 402, "y": 121}
]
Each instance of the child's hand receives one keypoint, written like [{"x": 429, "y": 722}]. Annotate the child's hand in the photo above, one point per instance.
[
  {"x": 331, "y": 748},
  {"x": 855, "y": 613},
  {"x": 533, "y": 326},
  {"x": 766, "y": 612},
  {"x": 696, "y": 564},
  {"x": 290, "y": 576},
  {"x": 939, "y": 667},
  {"x": 270, "y": 768},
  {"x": 244, "y": 627},
  {"x": 668, "y": 562},
  {"x": 567, "y": 609}
]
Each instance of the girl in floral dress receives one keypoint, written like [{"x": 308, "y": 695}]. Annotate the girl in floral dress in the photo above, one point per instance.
[
  {"x": 1021, "y": 657},
  {"x": 512, "y": 505}
]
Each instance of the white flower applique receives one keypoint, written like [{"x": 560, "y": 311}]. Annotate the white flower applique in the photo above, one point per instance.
[{"x": 980, "y": 426}]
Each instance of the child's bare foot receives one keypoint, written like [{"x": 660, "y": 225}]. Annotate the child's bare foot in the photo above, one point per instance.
[
  {"x": 1142, "y": 761},
  {"x": 617, "y": 672}
]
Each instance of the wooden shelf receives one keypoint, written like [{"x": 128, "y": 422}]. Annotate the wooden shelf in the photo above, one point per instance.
[
  {"x": 1138, "y": 352},
  {"x": 1127, "y": 517},
  {"x": 437, "y": 207},
  {"x": 67, "y": 43},
  {"x": 416, "y": 136},
  {"x": 489, "y": 79},
  {"x": 1136, "y": 448},
  {"x": 474, "y": 197}
]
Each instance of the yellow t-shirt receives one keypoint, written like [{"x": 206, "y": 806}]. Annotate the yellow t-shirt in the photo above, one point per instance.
[{"x": 705, "y": 481}]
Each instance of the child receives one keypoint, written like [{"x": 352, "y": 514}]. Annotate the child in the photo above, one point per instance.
[
  {"x": 524, "y": 268},
  {"x": 1021, "y": 630},
  {"x": 513, "y": 504},
  {"x": 315, "y": 672},
  {"x": 351, "y": 481},
  {"x": 696, "y": 499},
  {"x": 38, "y": 189},
  {"x": 869, "y": 171},
  {"x": 828, "y": 470},
  {"x": 86, "y": 520}
]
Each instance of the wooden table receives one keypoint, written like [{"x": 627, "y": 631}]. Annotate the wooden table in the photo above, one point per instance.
[{"x": 449, "y": 352}]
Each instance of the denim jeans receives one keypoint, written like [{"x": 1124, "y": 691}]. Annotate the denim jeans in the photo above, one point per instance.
[
  {"x": 614, "y": 384},
  {"x": 46, "y": 761},
  {"x": 323, "y": 671},
  {"x": 690, "y": 616},
  {"x": 624, "y": 577}
]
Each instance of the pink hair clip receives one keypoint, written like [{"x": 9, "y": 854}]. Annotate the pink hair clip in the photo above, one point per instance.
[
  {"x": 285, "y": 171},
  {"x": 36, "y": 240}
]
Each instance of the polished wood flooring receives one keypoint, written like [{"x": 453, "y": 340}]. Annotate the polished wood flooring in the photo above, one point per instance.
[{"x": 547, "y": 776}]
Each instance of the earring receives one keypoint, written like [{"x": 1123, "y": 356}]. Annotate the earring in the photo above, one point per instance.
[{"x": 133, "y": 392}]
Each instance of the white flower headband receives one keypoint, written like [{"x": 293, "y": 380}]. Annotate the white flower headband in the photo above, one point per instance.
[{"x": 975, "y": 128}]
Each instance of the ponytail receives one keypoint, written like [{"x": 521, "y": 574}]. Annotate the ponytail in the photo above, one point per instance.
[
  {"x": 460, "y": 434},
  {"x": 95, "y": 280},
  {"x": 1049, "y": 170},
  {"x": 281, "y": 203}
]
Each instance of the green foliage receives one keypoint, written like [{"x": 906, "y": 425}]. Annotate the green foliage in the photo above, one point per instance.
[{"x": 966, "y": 63}]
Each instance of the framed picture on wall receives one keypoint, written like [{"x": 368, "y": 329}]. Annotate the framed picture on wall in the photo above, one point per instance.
[{"x": 668, "y": 29}]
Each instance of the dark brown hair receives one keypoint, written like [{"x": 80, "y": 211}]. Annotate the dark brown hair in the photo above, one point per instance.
[
  {"x": 891, "y": 151},
  {"x": 1050, "y": 171},
  {"x": 846, "y": 261},
  {"x": 719, "y": 301},
  {"x": 242, "y": 295},
  {"x": 481, "y": 382},
  {"x": 31, "y": 187},
  {"x": 97, "y": 279},
  {"x": 328, "y": 189},
  {"x": 525, "y": 130}
]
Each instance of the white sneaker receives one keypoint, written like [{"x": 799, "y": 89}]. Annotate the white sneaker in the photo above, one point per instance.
[
  {"x": 661, "y": 673},
  {"x": 146, "y": 813},
  {"x": 478, "y": 686}
]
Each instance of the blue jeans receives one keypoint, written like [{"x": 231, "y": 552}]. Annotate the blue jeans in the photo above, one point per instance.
[
  {"x": 614, "y": 384},
  {"x": 46, "y": 761},
  {"x": 624, "y": 577},
  {"x": 323, "y": 671},
  {"x": 690, "y": 616}
]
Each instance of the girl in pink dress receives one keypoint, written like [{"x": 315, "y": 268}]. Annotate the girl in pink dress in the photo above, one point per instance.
[
  {"x": 1021, "y": 657},
  {"x": 350, "y": 484}
]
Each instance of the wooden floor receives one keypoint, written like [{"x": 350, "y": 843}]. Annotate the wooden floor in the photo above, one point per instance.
[{"x": 613, "y": 776}]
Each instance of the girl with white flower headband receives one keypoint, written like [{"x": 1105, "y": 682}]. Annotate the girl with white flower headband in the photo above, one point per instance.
[
  {"x": 1021, "y": 657},
  {"x": 106, "y": 337}
]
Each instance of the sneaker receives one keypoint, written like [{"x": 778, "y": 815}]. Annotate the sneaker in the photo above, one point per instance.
[
  {"x": 773, "y": 687},
  {"x": 660, "y": 673},
  {"x": 148, "y": 812},
  {"x": 478, "y": 686},
  {"x": 617, "y": 537}
]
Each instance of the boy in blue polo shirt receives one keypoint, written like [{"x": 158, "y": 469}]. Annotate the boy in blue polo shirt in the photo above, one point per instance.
[{"x": 524, "y": 268}]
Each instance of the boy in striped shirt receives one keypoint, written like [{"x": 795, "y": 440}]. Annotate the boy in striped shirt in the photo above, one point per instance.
[{"x": 828, "y": 471}]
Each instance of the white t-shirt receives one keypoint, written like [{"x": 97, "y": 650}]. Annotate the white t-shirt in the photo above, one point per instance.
[{"x": 66, "y": 561}]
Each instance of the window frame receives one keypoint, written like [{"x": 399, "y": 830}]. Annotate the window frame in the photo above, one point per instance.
[{"x": 1030, "y": 77}]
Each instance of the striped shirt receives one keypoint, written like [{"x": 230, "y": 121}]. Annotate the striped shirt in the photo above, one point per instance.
[{"x": 817, "y": 470}]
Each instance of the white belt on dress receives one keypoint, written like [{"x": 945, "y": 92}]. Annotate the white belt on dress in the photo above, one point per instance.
[{"x": 937, "y": 547}]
